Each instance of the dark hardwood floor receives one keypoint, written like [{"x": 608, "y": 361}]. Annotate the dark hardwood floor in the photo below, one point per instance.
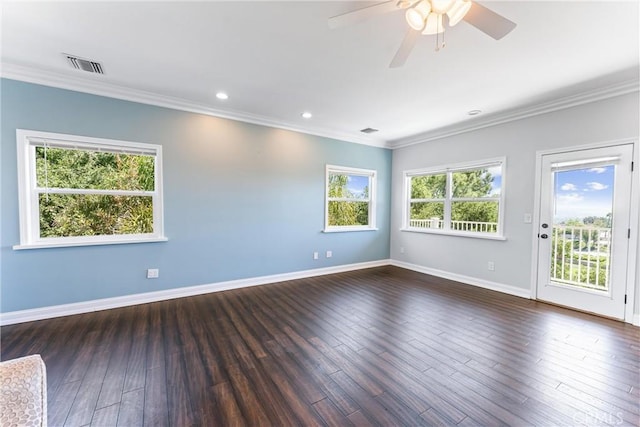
[{"x": 383, "y": 346}]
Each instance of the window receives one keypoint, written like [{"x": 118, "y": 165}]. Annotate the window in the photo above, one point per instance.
[
  {"x": 81, "y": 191},
  {"x": 461, "y": 199},
  {"x": 350, "y": 199}
]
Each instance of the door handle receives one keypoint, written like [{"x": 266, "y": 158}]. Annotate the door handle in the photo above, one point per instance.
[
  {"x": 543, "y": 236},
  {"x": 545, "y": 225}
]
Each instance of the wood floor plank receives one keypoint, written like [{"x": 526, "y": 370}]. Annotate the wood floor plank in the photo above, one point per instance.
[
  {"x": 156, "y": 409},
  {"x": 60, "y": 403},
  {"x": 85, "y": 403},
  {"x": 107, "y": 416},
  {"x": 132, "y": 409},
  {"x": 230, "y": 412},
  {"x": 330, "y": 414},
  {"x": 251, "y": 405},
  {"x": 376, "y": 347}
]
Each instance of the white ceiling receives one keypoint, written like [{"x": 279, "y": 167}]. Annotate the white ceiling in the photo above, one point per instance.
[{"x": 277, "y": 59}]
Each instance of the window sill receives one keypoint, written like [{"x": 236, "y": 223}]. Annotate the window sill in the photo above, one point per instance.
[
  {"x": 58, "y": 244},
  {"x": 348, "y": 229},
  {"x": 485, "y": 236}
]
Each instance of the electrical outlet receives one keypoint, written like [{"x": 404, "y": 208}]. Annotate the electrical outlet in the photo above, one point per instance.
[
  {"x": 401, "y": 249},
  {"x": 329, "y": 254},
  {"x": 315, "y": 255},
  {"x": 153, "y": 273},
  {"x": 491, "y": 266}
]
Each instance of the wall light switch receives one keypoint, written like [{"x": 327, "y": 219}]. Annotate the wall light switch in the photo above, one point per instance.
[
  {"x": 527, "y": 218},
  {"x": 315, "y": 255}
]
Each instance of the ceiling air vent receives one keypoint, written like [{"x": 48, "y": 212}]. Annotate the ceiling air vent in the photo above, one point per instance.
[
  {"x": 368, "y": 130},
  {"x": 84, "y": 64}
]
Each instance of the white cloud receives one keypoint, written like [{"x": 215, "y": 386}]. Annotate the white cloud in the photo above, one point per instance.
[
  {"x": 596, "y": 186},
  {"x": 568, "y": 187},
  {"x": 495, "y": 171},
  {"x": 564, "y": 199},
  {"x": 597, "y": 170}
]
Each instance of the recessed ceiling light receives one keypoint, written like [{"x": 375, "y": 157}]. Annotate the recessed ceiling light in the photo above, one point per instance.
[
  {"x": 474, "y": 112},
  {"x": 222, "y": 95},
  {"x": 306, "y": 115}
]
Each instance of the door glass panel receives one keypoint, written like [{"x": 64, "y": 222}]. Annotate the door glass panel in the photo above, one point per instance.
[{"x": 582, "y": 223}]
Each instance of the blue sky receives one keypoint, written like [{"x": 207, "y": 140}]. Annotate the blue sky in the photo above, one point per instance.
[
  {"x": 357, "y": 183},
  {"x": 496, "y": 185},
  {"x": 584, "y": 192}
]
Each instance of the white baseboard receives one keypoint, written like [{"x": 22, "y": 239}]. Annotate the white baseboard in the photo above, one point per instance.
[
  {"x": 30, "y": 315},
  {"x": 494, "y": 286}
]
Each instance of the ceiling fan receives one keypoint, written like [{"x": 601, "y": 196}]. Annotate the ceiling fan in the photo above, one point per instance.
[{"x": 428, "y": 17}]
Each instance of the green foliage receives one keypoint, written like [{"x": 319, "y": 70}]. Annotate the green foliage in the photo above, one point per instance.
[
  {"x": 65, "y": 215},
  {"x": 598, "y": 221},
  {"x": 346, "y": 212},
  {"x": 84, "y": 169},
  {"x": 469, "y": 184},
  {"x": 573, "y": 222},
  {"x": 583, "y": 269},
  {"x": 475, "y": 183},
  {"x": 475, "y": 211},
  {"x": 429, "y": 186}
]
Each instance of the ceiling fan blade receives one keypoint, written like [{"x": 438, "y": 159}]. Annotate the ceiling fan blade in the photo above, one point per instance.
[
  {"x": 405, "y": 48},
  {"x": 489, "y": 22},
  {"x": 363, "y": 14}
]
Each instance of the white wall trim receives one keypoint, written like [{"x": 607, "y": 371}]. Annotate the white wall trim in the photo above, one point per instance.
[
  {"x": 514, "y": 114},
  {"x": 97, "y": 87},
  {"x": 102, "y": 88},
  {"x": 30, "y": 315},
  {"x": 486, "y": 284},
  {"x": 50, "y": 312}
]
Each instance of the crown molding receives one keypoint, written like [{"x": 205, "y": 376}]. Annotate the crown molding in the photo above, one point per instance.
[
  {"x": 511, "y": 115},
  {"x": 80, "y": 84},
  {"x": 101, "y": 88}
]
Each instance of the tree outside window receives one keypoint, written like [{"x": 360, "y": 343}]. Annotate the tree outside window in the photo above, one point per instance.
[
  {"x": 349, "y": 200},
  {"x": 83, "y": 191},
  {"x": 456, "y": 199}
]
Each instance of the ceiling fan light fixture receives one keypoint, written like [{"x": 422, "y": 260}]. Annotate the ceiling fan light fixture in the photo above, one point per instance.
[
  {"x": 433, "y": 24},
  {"x": 458, "y": 11},
  {"x": 403, "y": 4},
  {"x": 417, "y": 15},
  {"x": 441, "y": 6}
]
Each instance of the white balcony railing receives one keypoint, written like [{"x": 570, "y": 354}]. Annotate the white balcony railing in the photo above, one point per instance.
[
  {"x": 580, "y": 256},
  {"x": 473, "y": 226}
]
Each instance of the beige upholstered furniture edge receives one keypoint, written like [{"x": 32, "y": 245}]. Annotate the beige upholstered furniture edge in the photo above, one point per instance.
[{"x": 23, "y": 392}]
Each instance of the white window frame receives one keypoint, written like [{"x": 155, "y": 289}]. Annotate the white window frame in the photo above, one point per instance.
[
  {"x": 28, "y": 190},
  {"x": 449, "y": 170},
  {"x": 371, "y": 174}
]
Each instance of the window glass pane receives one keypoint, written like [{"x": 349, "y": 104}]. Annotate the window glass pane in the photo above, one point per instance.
[
  {"x": 348, "y": 186},
  {"x": 427, "y": 215},
  {"x": 86, "y": 169},
  {"x": 66, "y": 215},
  {"x": 348, "y": 213},
  {"x": 484, "y": 182},
  {"x": 428, "y": 186},
  {"x": 475, "y": 216}
]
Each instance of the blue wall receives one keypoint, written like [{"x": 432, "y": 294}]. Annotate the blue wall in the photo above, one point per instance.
[{"x": 240, "y": 201}]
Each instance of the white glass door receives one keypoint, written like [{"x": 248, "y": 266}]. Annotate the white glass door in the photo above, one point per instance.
[{"x": 583, "y": 233}]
